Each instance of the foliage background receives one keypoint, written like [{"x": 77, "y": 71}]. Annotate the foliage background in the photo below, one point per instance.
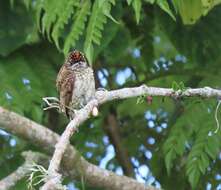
[{"x": 169, "y": 143}]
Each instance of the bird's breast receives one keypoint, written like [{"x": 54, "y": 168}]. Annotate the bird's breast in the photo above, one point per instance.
[{"x": 84, "y": 88}]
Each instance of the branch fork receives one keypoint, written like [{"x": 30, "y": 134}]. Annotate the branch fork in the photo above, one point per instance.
[
  {"x": 94, "y": 175},
  {"x": 104, "y": 96}
]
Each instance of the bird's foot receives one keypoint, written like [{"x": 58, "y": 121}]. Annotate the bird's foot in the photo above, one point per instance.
[
  {"x": 100, "y": 92},
  {"x": 81, "y": 105},
  {"x": 51, "y": 102},
  {"x": 72, "y": 114},
  {"x": 101, "y": 89}
]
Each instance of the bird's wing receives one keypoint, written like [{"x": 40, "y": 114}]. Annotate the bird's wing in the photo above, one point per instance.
[
  {"x": 66, "y": 93},
  {"x": 67, "y": 89},
  {"x": 60, "y": 77},
  {"x": 65, "y": 85}
]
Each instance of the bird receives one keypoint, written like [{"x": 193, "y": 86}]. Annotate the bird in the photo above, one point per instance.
[{"x": 75, "y": 83}]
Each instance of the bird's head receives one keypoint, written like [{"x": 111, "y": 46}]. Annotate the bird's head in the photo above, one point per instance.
[{"x": 77, "y": 60}]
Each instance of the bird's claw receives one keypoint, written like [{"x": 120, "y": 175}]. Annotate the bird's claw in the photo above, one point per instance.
[
  {"x": 72, "y": 114},
  {"x": 52, "y": 102},
  {"x": 101, "y": 89}
]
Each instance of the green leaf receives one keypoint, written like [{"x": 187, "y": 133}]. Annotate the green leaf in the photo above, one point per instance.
[
  {"x": 193, "y": 177},
  {"x": 206, "y": 3},
  {"x": 89, "y": 52},
  {"x": 107, "y": 9},
  {"x": 189, "y": 10},
  {"x": 175, "y": 5},
  {"x": 182, "y": 86},
  {"x": 23, "y": 90},
  {"x": 109, "y": 33},
  {"x": 137, "y": 4},
  {"x": 51, "y": 9},
  {"x": 78, "y": 26},
  {"x": 203, "y": 163},
  {"x": 94, "y": 29},
  {"x": 141, "y": 99},
  {"x": 27, "y": 3},
  {"x": 64, "y": 14},
  {"x": 17, "y": 28},
  {"x": 175, "y": 86},
  {"x": 212, "y": 148},
  {"x": 180, "y": 146},
  {"x": 163, "y": 4},
  {"x": 129, "y": 2},
  {"x": 170, "y": 156}
]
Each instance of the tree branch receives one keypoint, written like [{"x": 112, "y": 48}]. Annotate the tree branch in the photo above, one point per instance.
[
  {"x": 54, "y": 176},
  {"x": 102, "y": 97},
  {"x": 113, "y": 132},
  {"x": 90, "y": 171},
  {"x": 73, "y": 164},
  {"x": 22, "y": 171},
  {"x": 124, "y": 93}
]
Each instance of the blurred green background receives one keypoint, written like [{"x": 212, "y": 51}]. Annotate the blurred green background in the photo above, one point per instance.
[{"x": 169, "y": 143}]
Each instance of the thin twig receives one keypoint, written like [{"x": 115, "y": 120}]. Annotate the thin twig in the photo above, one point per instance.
[
  {"x": 54, "y": 104},
  {"x": 216, "y": 117}
]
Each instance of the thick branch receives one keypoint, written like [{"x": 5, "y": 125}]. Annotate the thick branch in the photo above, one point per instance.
[
  {"x": 113, "y": 132},
  {"x": 102, "y": 97},
  {"x": 74, "y": 165},
  {"x": 54, "y": 176},
  {"x": 206, "y": 92}
]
